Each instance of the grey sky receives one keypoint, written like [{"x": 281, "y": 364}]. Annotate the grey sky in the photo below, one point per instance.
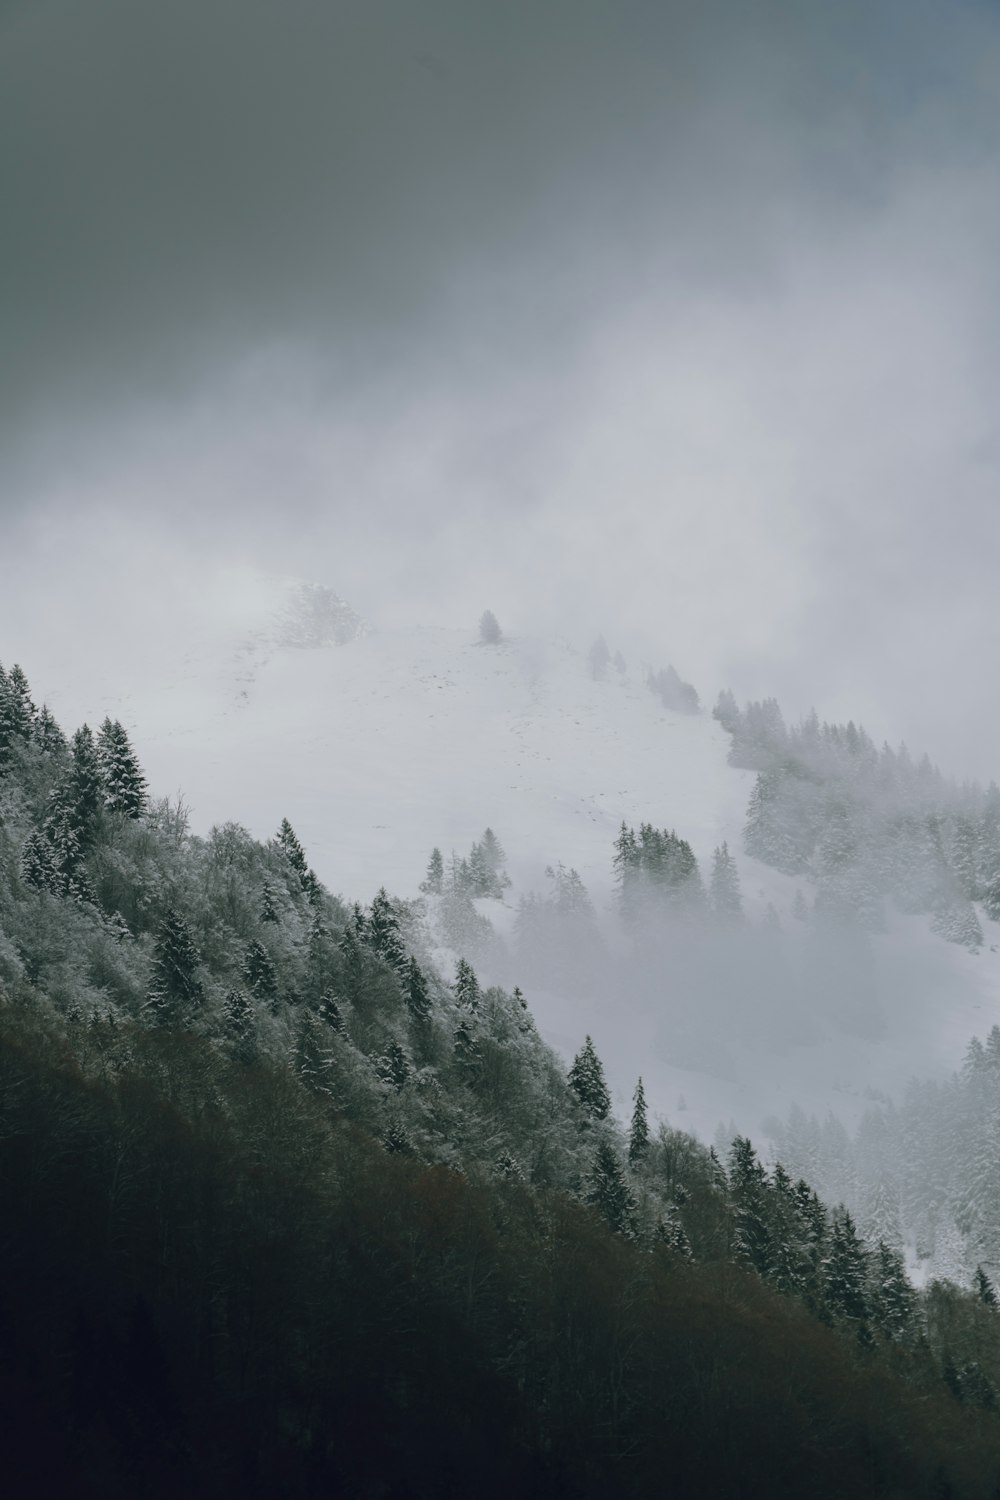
[{"x": 673, "y": 321}]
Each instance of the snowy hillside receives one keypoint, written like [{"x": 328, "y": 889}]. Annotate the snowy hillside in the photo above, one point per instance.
[{"x": 379, "y": 745}]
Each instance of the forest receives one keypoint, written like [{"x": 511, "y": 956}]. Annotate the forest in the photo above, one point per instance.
[{"x": 284, "y": 1208}]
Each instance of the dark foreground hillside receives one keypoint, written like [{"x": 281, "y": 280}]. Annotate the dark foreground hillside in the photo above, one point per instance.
[{"x": 210, "y": 1285}]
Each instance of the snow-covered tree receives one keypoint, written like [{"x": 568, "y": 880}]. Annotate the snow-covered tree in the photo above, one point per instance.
[
  {"x": 433, "y": 881},
  {"x": 124, "y": 785},
  {"x": 599, "y": 658},
  {"x": 259, "y": 973},
  {"x": 176, "y": 990},
  {"x": 725, "y": 885},
  {"x": 586, "y": 1079},
  {"x": 638, "y": 1136},
  {"x": 489, "y": 628},
  {"x": 609, "y": 1190}
]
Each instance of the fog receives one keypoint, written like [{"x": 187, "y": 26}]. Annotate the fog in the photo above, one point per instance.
[{"x": 678, "y": 322}]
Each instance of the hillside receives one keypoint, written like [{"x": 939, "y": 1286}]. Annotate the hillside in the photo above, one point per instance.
[{"x": 274, "y": 698}]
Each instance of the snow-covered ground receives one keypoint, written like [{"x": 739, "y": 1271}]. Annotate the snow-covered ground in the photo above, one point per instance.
[{"x": 379, "y": 745}]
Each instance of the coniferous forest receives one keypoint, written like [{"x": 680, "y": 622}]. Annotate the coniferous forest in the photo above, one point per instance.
[{"x": 283, "y": 1211}]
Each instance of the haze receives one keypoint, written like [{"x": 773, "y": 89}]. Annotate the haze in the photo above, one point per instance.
[{"x": 677, "y": 322}]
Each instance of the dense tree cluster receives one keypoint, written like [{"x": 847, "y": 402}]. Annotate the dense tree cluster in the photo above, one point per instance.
[
  {"x": 866, "y": 824},
  {"x": 673, "y": 692}
]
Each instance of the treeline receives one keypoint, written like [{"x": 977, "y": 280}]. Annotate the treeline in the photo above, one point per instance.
[
  {"x": 284, "y": 1211},
  {"x": 866, "y": 823}
]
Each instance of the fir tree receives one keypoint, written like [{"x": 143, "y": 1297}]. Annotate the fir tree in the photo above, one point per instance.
[
  {"x": 393, "y": 1068},
  {"x": 175, "y": 992},
  {"x": 609, "y": 1190},
  {"x": 47, "y": 735},
  {"x": 259, "y": 973},
  {"x": 418, "y": 1001},
  {"x": 748, "y": 1197},
  {"x": 239, "y": 1021},
  {"x": 312, "y": 887},
  {"x": 586, "y": 1079},
  {"x": 466, "y": 987},
  {"x": 433, "y": 881},
  {"x": 725, "y": 885},
  {"x": 313, "y": 1057},
  {"x": 383, "y": 932},
  {"x": 984, "y": 1288},
  {"x": 638, "y": 1137},
  {"x": 330, "y": 1014},
  {"x": 396, "y": 1141},
  {"x": 291, "y": 848},
  {"x": 268, "y": 908},
  {"x": 84, "y": 787},
  {"x": 489, "y": 629},
  {"x": 124, "y": 783},
  {"x": 38, "y": 867},
  {"x": 21, "y": 711},
  {"x": 466, "y": 1050},
  {"x": 671, "y": 1233}
]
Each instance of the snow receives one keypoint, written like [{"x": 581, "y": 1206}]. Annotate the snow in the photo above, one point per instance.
[{"x": 380, "y": 744}]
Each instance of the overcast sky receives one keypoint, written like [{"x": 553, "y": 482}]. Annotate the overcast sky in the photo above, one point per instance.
[{"x": 674, "y": 321}]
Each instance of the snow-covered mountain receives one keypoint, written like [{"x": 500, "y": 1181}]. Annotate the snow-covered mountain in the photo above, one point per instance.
[{"x": 378, "y": 745}]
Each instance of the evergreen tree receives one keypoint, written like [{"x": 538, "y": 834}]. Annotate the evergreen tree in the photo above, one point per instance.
[
  {"x": 489, "y": 629},
  {"x": 84, "y": 788},
  {"x": 329, "y": 1013},
  {"x": 609, "y": 1190},
  {"x": 268, "y": 908},
  {"x": 38, "y": 866},
  {"x": 313, "y": 1056},
  {"x": 984, "y": 1288},
  {"x": 175, "y": 992},
  {"x": 396, "y": 1141},
  {"x": 259, "y": 973},
  {"x": 845, "y": 1268},
  {"x": 638, "y": 1137},
  {"x": 383, "y": 934},
  {"x": 312, "y": 887},
  {"x": 586, "y": 1079},
  {"x": 671, "y": 1233},
  {"x": 892, "y": 1299},
  {"x": 417, "y": 998},
  {"x": 240, "y": 1023},
  {"x": 124, "y": 784},
  {"x": 466, "y": 987},
  {"x": 433, "y": 881},
  {"x": 725, "y": 885},
  {"x": 748, "y": 1196},
  {"x": 393, "y": 1068},
  {"x": 47, "y": 735},
  {"x": 291, "y": 848},
  {"x": 8, "y": 733},
  {"x": 466, "y": 1050},
  {"x": 21, "y": 710}
]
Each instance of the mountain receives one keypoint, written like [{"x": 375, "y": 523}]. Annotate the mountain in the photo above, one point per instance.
[{"x": 381, "y": 744}]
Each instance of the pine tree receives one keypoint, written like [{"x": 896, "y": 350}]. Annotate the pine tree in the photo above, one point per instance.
[
  {"x": 845, "y": 1268},
  {"x": 725, "y": 885},
  {"x": 268, "y": 908},
  {"x": 259, "y": 973},
  {"x": 393, "y": 1068},
  {"x": 466, "y": 987},
  {"x": 396, "y": 1141},
  {"x": 291, "y": 848},
  {"x": 124, "y": 783},
  {"x": 748, "y": 1197},
  {"x": 609, "y": 1190},
  {"x": 175, "y": 992},
  {"x": 489, "y": 629},
  {"x": 21, "y": 711},
  {"x": 466, "y": 1050},
  {"x": 38, "y": 866},
  {"x": 8, "y": 734},
  {"x": 84, "y": 786},
  {"x": 671, "y": 1233},
  {"x": 433, "y": 881},
  {"x": 586, "y": 1079},
  {"x": 892, "y": 1299},
  {"x": 47, "y": 735},
  {"x": 313, "y": 1057},
  {"x": 312, "y": 887},
  {"x": 418, "y": 1000},
  {"x": 239, "y": 1020},
  {"x": 329, "y": 1012},
  {"x": 984, "y": 1288},
  {"x": 383, "y": 934},
  {"x": 638, "y": 1138}
]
